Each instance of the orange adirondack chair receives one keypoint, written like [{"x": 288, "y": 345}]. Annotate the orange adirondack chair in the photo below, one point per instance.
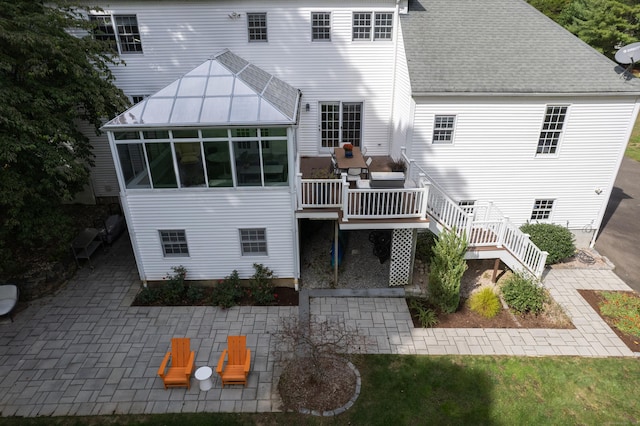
[
  {"x": 236, "y": 370},
  {"x": 182, "y": 358}
]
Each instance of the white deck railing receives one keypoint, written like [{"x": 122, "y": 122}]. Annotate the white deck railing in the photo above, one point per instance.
[
  {"x": 391, "y": 203},
  {"x": 484, "y": 227}
]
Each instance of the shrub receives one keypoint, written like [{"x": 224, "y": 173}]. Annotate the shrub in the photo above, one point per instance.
[
  {"x": 174, "y": 292},
  {"x": 426, "y": 316},
  {"x": 523, "y": 294},
  {"x": 554, "y": 239},
  {"x": 485, "y": 302},
  {"x": 148, "y": 296},
  {"x": 261, "y": 285},
  {"x": 194, "y": 294},
  {"x": 228, "y": 291},
  {"x": 425, "y": 244},
  {"x": 447, "y": 267}
]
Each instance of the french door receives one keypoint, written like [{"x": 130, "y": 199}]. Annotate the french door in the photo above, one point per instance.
[{"x": 340, "y": 123}]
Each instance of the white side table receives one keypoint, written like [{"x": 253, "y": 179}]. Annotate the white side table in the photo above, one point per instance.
[{"x": 203, "y": 375}]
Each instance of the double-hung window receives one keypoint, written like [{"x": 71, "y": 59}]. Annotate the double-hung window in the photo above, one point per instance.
[
  {"x": 551, "y": 129},
  {"x": 443, "y": 127},
  {"x": 320, "y": 26},
  {"x": 257, "y": 26},
  {"x": 340, "y": 123},
  {"x": 174, "y": 243},
  {"x": 253, "y": 241},
  {"x": 372, "y": 25},
  {"x": 542, "y": 209},
  {"x": 120, "y": 31}
]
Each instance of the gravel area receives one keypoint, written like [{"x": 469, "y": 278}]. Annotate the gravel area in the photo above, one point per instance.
[{"x": 359, "y": 268}]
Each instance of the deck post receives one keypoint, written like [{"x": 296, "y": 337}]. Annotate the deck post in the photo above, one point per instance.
[
  {"x": 336, "y": 253},
  {"x": 503, "y": 230},
  {"x": 424, "y": 184},
  {"x": 299, "y": 189},
  {"x": 345, "y": 197},
  {"x": 494, "y": 276}
]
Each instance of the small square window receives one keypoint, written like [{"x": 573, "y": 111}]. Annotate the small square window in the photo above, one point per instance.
[
  {"x": 174, "y": 243},
  {"x": 321, "y": 26},
  {"x": 443, "y": 128},
  {"x": 257, "y": 26},
  {"x": 542, "y": 209},
  {"x": 468, "y": 206},
  {"x": 253, "y": 241}
]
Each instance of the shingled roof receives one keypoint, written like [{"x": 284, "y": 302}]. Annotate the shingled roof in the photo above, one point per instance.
[
  {"x": 501, "y": 47},
  {"x": 225, "y": 90}
]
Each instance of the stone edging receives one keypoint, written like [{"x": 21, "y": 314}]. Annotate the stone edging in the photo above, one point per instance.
[{"x": 346, "y": 406}]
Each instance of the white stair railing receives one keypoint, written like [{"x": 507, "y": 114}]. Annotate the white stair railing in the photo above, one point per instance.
[{"x": 494, "y": 229}]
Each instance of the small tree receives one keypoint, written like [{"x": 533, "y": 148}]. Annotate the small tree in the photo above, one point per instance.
[
  {"x": 311, "y": 354},
  {"x": 447, "y": 267}
]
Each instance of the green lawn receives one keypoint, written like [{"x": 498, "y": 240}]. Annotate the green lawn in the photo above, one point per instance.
[
  {"x": 633, "y": 148},
  {"x": 418, "y": 390}
]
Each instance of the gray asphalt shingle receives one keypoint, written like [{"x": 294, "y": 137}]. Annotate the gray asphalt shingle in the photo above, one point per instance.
[{"x": 500, "y": 46}]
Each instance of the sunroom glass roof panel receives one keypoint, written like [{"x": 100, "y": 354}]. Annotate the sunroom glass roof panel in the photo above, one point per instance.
[
  {"x": 224, "y": 90},
  {"x": 186, "y": 110},
  {"x": 157, "y": 111}
]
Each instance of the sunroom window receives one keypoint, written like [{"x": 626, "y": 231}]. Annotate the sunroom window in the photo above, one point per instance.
[{"x": 211, "y": 158}]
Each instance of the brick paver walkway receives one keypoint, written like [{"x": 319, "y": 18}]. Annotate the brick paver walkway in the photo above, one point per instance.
[{"x": 86, "y": 351}]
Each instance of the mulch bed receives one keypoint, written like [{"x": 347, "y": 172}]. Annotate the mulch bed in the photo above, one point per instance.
[
  {"x": 466, "y": 318},
  {"x": 285, "y": 296},
  {"x": 594, "y": 299}
]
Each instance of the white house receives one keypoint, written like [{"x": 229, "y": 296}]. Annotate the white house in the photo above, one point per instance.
[{"x": 500, "y": 115}]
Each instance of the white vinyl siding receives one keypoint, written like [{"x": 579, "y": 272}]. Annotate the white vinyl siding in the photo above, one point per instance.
[
  {"x": 493, "y": 155},
  {"x": 340, "y": 69},
  {"x": 211, "y": 222}
]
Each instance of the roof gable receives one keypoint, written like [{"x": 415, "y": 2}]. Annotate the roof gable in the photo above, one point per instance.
[{"x": 223, "y": 91}]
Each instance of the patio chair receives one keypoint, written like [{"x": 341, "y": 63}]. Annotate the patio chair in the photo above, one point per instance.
[
  {"x": 8, "y": 299},
  {"x": 353, "y": 174},
  {"x": 368, "y": 162},
  {"x": 182, "y": 358},
  {"x": 238, "y": 357}
]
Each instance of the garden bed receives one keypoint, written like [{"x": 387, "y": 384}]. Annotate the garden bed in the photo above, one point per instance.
[
  {"x": 594, "y": 298},
  {"x": 284, "y": 296}
]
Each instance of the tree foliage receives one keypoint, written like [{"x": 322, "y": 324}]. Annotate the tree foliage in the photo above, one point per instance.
[
  {"x": 447, "y": 267},
  {"x": 603, "y": 24},
  {"x": 52, "y": 74}
]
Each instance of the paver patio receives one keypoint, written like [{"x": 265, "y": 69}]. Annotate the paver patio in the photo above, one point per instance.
[{"x": 86, "y": 351}]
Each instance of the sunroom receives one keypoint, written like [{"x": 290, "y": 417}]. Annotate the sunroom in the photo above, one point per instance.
[{"x": 225, "y": 124}]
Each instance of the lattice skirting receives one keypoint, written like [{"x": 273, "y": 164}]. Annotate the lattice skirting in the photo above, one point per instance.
[{"x": 403, "y": 245}]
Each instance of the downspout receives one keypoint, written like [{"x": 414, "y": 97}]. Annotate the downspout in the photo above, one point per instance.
[
  {"x": 294, "y": 205},
  {"x": 396, "y": 17}
]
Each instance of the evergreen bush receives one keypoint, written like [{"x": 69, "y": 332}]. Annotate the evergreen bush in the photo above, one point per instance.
[
  {"x": 447, "y": 267},
  {"x": 557, "y": 240},
  {"x": 424, "y": 245},
  {"x": 523, "y": 294},
  {"x": 228, "y": 291},
  {"x": 261, "y": 285},
  {"x": 485, "y": 302}
]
